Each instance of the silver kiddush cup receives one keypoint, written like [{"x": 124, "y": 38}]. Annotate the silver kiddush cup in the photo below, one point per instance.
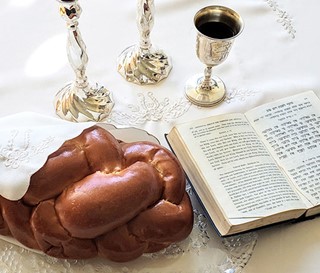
[
  {"x": 143, "y": 64},
  {"x": 217, "y": 27},
  {"x": 80, "y": 101}
]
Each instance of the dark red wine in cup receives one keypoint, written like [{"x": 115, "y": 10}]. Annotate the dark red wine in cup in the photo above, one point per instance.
[{"x": 216, "y": 30}]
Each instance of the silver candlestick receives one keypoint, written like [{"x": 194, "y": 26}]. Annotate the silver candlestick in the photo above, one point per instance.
[
  {"x": 143, "y": 64},
  {"x": 80, "y": 101}
]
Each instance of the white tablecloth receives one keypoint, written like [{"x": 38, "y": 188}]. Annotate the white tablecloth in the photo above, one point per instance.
[{"x": 275, "y": 56}]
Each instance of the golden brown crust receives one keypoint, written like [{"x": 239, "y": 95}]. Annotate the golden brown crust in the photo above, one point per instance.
[
  {"x": 17, "y": 218},
  {"x": 97, "y": 196},
  {"x": 53, "y": 239},
  {"x": 164, "y": 222},
  {"x": 120, "y": 245},
  {"x": 107, "y": 200},
  {"x": 53, "y": 176},
  {"x": 164, "y": 162}
]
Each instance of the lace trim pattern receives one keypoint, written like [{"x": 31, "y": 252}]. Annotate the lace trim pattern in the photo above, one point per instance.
[
  {"x": 12, "y": 155},
  {"x": 150, "y": 108},
  {"x": 283, "y": 18},
  {"x": 245, "y": 242},
  {"x": 239, "y": 95}
]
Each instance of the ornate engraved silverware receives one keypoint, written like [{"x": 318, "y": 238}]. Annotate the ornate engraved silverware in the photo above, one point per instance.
[
  {"x": 80, "y": 101},
  {"x": 217, "y": 27},
  {"x": 143, "y": 64}
]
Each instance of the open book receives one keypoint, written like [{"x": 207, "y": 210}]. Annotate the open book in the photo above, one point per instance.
[{"x": 254, "y": 169}]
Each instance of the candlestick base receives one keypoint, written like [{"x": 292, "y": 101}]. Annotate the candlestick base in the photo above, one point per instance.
[
  {"x": 144, "y": 66},
  {"x": 91, "y": 103}
]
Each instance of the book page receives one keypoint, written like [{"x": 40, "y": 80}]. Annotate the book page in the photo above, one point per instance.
[
  {"x": 237, "y": 168},
  {"x": 290, "y": 129}
]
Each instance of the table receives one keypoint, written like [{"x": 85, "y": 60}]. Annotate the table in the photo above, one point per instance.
[{"x": 275, "y": 56}]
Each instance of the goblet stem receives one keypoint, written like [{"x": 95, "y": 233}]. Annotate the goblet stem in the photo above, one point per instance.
[
  {"x": 207, "y": 81},
  {"x": 80, "y": 101}
]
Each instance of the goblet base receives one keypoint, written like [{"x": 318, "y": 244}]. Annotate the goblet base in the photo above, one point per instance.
[
  {"x": 144, "y": 66},
  {"x": 205, "y": 97},
  {"x": 91, "y": 103}
]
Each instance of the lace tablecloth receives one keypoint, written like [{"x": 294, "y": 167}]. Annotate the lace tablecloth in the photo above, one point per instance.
[{"x": 275, "y": 56}]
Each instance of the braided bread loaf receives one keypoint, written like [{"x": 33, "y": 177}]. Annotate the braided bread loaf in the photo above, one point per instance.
[{"x": 97, "y": 196}]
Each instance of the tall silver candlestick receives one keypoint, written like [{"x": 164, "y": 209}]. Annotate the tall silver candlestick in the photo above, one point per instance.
[
  {"x": 143, "y": 64},
  {"x": 80, "y": 101}
]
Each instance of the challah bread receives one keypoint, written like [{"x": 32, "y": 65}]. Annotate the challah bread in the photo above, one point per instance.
[{"x": 97, "y": 196}]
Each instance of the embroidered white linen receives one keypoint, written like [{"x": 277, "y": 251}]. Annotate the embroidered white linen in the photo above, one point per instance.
[{"x": 26, "y": 141}]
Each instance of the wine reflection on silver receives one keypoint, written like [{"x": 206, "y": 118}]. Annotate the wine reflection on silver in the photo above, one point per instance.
[
  {"x": 80, "y": 100},
  {"x": 144, "y": 64},
  {"x": 212, "y": 47}
]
